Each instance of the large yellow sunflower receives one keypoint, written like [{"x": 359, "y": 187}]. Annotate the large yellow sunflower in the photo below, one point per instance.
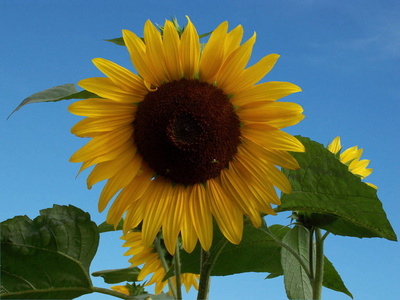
[
  {"x": 152, "y": 264},
  {"x": 351, "y": 158},
  {"x": 192, "y": 137}
]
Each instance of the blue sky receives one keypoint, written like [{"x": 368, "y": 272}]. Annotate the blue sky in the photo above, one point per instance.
[{"x": 345, "y": 55}]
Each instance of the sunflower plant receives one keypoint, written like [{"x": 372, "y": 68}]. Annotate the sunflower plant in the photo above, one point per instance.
[{"x": 193, "y": 151}]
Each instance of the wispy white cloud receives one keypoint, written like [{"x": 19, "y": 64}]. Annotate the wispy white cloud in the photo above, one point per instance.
[
  {"x": 374, "y": 34},
  {"x": 381, "y": 40}
]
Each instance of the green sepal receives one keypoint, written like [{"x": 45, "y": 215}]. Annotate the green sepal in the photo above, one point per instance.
[{"x": 105, "y": 227}]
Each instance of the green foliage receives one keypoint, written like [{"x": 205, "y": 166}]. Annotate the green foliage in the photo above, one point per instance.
[
  {"x": 48, "y": 257},
  {"x": 118, "y": 275},
  {"x": 327, "y": 195},
  {"x": 297, "y": 282},
  {"x": 62, "y": 92},
  {"x": 258, "y": 252}
]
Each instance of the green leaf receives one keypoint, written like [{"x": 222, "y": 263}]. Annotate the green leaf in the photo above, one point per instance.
[
  {"x": 273, "y": 275},
  {"x": 332, "y": 279},
  {"x": 62, "y": 92},
  {"x": 332, "y": 198},
  {"x": 104, "y": 227},
  {"x": 48, "y": 257},
  {"x": 257, "y": 252},
  {"x": 297, "y": 283},
  {"x": 118, "y": 275}
]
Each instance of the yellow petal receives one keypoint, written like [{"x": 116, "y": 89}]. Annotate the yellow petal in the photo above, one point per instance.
[
  {"x": 254, "y": 74},
  {"x": 234, "y": 65},
  {"x": 213, "y": 54},
  {"x": 102, "y": 144},
  {"x": 96, "y": 108},
  {"x": 190, "y": 50},
  {"x": 119, "y": 181},
  {"x": 171, "y": 44},
  {"x": 335, "y": 147},
  {"x": 129, "y": 197},
  {"x": 269, "y": 112},
  {"x": 226, "y": 213},
  {"x": 133, "y": 217},
  {"x": 157, "y": 202},
  {"x": 350, "y": 154},
  {"x": 258, "y": 183},
  {"x": 189, "y": 236},
  {"x": 200, "y": 212},
  {"x": 111, "y": 155},
  {"x": 232, "y": 41},
  {"x": 155, "y": 52},
  {"x": 274, "y": 175},
  {"x": 173, "y": 218},
  {"x": 108, "y": 169},
  {"x": 271, "y": 138},
  {"x": 238, "y": 191},
  {"x": 372, "y": 185},
  {"x": 276, "y": 157},
  {"x": 267, "y": 91},
  {"x": 137, "y": 51},
  {"x": 105, "y": 88},
  {"x": 121, "y": 77},
  {"x": 277, "y": 178},
  {"x": 90, "y": 127}
]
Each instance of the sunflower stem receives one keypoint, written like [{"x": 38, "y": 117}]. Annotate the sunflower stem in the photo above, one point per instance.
[
  {"x": 160, "y": 252},
  {"x": 311, "y": 251},
  {"x": 208, "y": 260},
  {"x": 177, "y": 263},
  {"x": 205, "y": 276},
  {"x": 319, "y": 265}
]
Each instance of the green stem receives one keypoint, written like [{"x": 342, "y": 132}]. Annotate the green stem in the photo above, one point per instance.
[
  {"x": 177, "y": 264},
  {"x": 110, "y": 292},
  {"x": 311, "y": 251},
  {"x": 325, "y": 235},
  {"x": 205, "y": 276},
  {"x": 292, "y": 251},
  {"x": 319, "y": 265},
  {"x": 206, "y": 265},
  {"x": 165, "y": 265}
]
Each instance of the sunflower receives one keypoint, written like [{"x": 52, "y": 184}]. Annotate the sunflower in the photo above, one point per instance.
[
  {"x": 351, "y": 158},
  {"x": 152, "y": 263},
  {"x": 121, "y": 289},
  {"x": 192, "y": 137}
]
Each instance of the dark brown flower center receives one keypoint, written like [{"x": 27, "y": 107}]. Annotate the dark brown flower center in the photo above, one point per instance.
[{"x": 187, "y": 131}]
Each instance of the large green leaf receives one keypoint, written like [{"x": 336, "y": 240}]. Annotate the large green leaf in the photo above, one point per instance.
[
  {"x": 332, "y": 198},
  {"x": 297, "y": 283},
  {"x": 257, "y": 252},
  {"x": 118, "y": 275},
  {"x": 62, "y": 92},
  {"x": 48, "y": 257}
]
